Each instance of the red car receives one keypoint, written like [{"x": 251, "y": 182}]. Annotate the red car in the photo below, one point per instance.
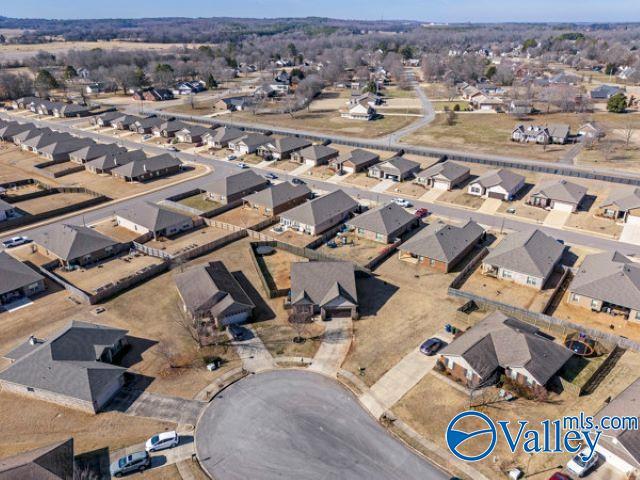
[
  {"x": 422, "y": 212},
  {"x": 559, "y": 476}
]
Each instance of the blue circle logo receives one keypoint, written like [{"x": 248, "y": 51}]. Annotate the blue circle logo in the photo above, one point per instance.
[{"x": 457, "y": 438}]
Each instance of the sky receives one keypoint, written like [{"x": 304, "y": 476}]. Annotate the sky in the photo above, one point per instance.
[{"x": 423, "y": 10}]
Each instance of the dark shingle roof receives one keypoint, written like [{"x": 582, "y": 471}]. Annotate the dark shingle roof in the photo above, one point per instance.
[
  {"x": 448, "y": 169},
  {"x": 113, "y": 159},
  {"x": 289, "y": 144},
  {"x": 501, "y": 341},
  {"x": 69, "y": 364},
  {"x": 317, "y": 152},
  {"x": 624, "y": 199},
  {"x": 398, "y": 165},
  {"x": 14, "y": 274},
  {"x": 50, "y": 462},
  {"x": 322, "y": 283},
  {"x": 321, "y": 209},
  {"x": 443, "y": 242},
  {"x": 385, "y": 219},
  {"x": 69, "y": 242},
  {"x": 152, "y": 164},
  {"x": 561, "y": 191},
  {"x": 153, "y": 217},
  {"x": 531, "y": 253},
  {"x": 503, "y": 177},
  {"x": 359, "y": 157},
  {"x": 277, "y": 195},
  {"x": 225, "y": 134},
  {"x": 236, "y": 183}
]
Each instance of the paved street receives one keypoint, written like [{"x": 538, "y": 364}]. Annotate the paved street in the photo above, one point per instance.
[{"x": 292, "y": 425}]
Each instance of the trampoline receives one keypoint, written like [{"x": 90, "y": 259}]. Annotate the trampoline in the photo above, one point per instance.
[{"x": 581, "y": 345}]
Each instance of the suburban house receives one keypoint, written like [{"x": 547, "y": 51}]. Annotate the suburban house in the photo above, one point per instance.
[
  {"x": 558, "y": 195},
  {"x": 32, "y": 132},
  {"x": 621, "y": 448},
  {"x": 149, "y": 218},
  {"x": 325, "y": 288},
  {"x": 527, "y": 258},
  {"x": 315, "y": 155},
  {"x": 500, "y": 345},
  {"x": 502, "y": 184},
  {"x": 42, "y": 139},
  {"x": 105, "y": 119},
  {"x": 559, "y": 133},
  {"x": 110, "y": 160},
  {"x": 75, "y": 246},
  {"x": 70, "y": 110},
  {"x": 282, "y": 148},
  {"x": 212, "y": 298},
  {"x": 607, "y": 282},
  {"x": 146, "y": 125},
  {"x": 152, "y": 94},
  {"x": 484, "y": 102},
  {"x": 192, "y": 134},
  {"x": 13, "y": 128},
  {"x": 24, "y": 102},
  {"x": 74, "y": 369},
  {"x": 188, "y": 88},
  {"x": 384, "y": 224},
  {"x": 169, "y": 128},
  {"x": 95, "y": 150},
  {"x": 221, "y": 137},
  {"x": 622, "y": 205},
  {"x": 543, "y": 135},
  {"x": 320, "y": 214},
  {"x": 233, "y": 188},
  {"x": 396, "y": 168},
  {"x": 60, "y": 150},
  {"x": 277, "y": 198},
  {"x": 6, "y": 210},
  {"x": 443, "y": 175},
  {"x": 124, "y": 122},
  {"x": 51, "y": 462},
  {"x": 143, "y": 170},
  {"x": 17, "y": 280},
  {"x": 520, "y": 107},
  {"x": 591, "y": 131},
  {"x": 355, "y": 161},
  {"x": 605, "y": 92},
  {"x": 248, "y": 143},
  {"x": 232, "y": 104},
  {"x": 359, "y": 111},
  {"x": 441, "y": 246}
]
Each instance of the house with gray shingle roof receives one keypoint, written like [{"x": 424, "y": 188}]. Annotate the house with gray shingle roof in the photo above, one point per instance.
[
  {"x": 558, "y": 195},
  {"x": 212, "y": 297},
  {"x": 149, "y": 168},
  {"x": 248, "y": 143},
  {"x": 396, "y": 168},
  {"x": 607, "y": 282},
  {"x": 355, "y": 161},
  {"x": 605, "y": 92},
  {"x": 527, "y": 258},
  {"x": 221, "y": 137},
  {"x": 384, "y": 224},
  {"x": 441, "y": 246},
  {"x": 502, "y": 184},
  {"x": 13, "y": 128},
  {"x": 277, "y": 198},
  {"x": 44, "y": 138},
  {"x": 149, "y": 218},
  {"x": 169, "y": 128},
  {"x": 50, "y": 462},
  {"x": 17, "y": 280},
  {"x": 315, "y": 155},
  {"x": 192, "y": 134},
  {"x": 282, "y": 148},
  {"x": 25, "y": 135},
  {"x": 60, "y": 150},
  {"x": 500, "y": 345},
  {"x": 623, "y": 204},
  {"x": 145, "y": 125},
  {"x": 73, "y": 245},
  {"x": 114, "y": 159},
  {"x": 320, "y": 214},
  {"x": 621, "y": 448},
  {"x": 105, "y": 119},
  {"x": 6, "y": 210},
  {"x": 95, "y": 150},
  {"x": 325, "y": 288},
  {"x": 69, "y": 110},
  {"x": 232, "y": 188},
  {"x": 74, "y": 368},
  {"x": 443, "y": 175}
]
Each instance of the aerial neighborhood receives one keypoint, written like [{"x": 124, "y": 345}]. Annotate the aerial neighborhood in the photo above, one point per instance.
[{"x": 282, "y": 248}]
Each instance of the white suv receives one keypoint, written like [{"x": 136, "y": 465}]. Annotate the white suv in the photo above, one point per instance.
[
  {"x": 161, "y": 441},
  {"x": 580, "y": 467}
]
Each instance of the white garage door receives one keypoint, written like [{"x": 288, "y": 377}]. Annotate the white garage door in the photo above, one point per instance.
[
  {"x": 631, "y": 220},
  {"x": 441, "y": 185},
  {"x": 310, "y": 162},
  {"x": 563, "y": 207}
]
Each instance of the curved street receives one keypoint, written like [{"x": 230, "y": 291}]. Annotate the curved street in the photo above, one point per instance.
[{"x": 293, "y": 424}]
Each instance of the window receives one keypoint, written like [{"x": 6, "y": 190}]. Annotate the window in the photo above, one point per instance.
[
  {"x": 379, "y": 236},
  {"x": 637, "y": 315},
  {"x": 575, "y": 297},
  {"x": 594, "y": 303},
  {"x": 432, "y": 262},
  {"x": 506, "y": 274},
  {"x": 360, "y": 230},
  {"x": 531, "y": 281}
]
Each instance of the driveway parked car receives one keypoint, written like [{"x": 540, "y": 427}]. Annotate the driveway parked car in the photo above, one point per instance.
[
  {"x": 297, "y": 181},
  {"x": 15, "y": 242},
  {"x": 135, "y": 462},
  {"x": 161, "y": 441},
  {"x": 580, "y": 467},
  {"x": 271, "y": 176},
  {"x": 430, "y": 347},
  {"x": 237, "y": 332},
  {"x": 559, "y": 476},
  {"x": 243, "y": 165},
  {"x": 402, "y": 202},
  {"x": 231, "y": 157},
  {"x": 422, "y": 212}
]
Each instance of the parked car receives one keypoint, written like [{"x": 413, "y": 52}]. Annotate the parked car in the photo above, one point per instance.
[
  {"x": 146, "y": 137},
  {"x": 237, "y": 332},
  {"x": 15, "y": 242},
  {"x": 559, "y": 476},
  {"x": 402, "y": 202},
  {"x": 161, "y": 441},
  {"x": 422, "y": 212},
  {"x": 430, "y": 347},
  {"x": 231, "y": 157},
  {"x": 580, "y": 467},
  {"x": 271, "y": 176},
  {"x": 297, "y": 181},
  {"x": 172, "y": 148},
  {"x": 243, "y": 165},
  {"x": 135, "y": 462}
]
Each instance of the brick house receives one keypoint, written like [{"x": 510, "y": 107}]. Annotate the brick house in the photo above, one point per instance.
[
  {"x": 277, "y": 198},
  {"x": 384, "y": 224}
]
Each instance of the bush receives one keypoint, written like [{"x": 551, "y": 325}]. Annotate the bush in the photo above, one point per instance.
[
  {"x": 617, "y": 103},
  {"x": 456, "y": 107}
]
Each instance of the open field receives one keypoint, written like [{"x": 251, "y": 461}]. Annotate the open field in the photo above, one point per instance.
[
  {"x": 432, "y": 403},
  {"x": 39, "y": 205},
  {"x": 400, "y": 307},
  {"x": 330, "y": 122},
  {"x": 108, "y": 271},
  {"x": 188, "y": 240}
]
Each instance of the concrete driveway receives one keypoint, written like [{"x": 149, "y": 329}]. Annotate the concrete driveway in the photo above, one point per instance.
[
  {"x": 630, "y": 233},
  {"x": 292, "y": 425},
  {"x": 556, "y": 219}
]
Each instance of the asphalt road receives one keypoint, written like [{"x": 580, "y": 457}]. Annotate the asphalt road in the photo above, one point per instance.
[
  {"x": 428, "y": 113},
  {"x": 292, "y": 425}
]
